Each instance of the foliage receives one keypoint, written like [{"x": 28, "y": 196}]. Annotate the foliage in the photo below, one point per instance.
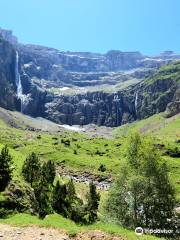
[
  {"x": 93, "y": 202},
  {"x": 19, "y": 197},
  {"x": 5, "y": 168},
  {"x": 49, "y": 171},
  {"x": 59, "y": 200},
  {"x": 31, "y": 169},
  {"x": 167, "y": 133},
  {"x": 43, "y": 188},
  {"x": 44, "y": 198},
  {"x": 143, "y": 195},
  {"x": 102, "y": 168},
  {"x": 41, "y": 178},
  {"x": 66, "y": 203}
]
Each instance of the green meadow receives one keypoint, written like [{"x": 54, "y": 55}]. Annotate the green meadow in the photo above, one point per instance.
[{"x": 80, "y": 153}]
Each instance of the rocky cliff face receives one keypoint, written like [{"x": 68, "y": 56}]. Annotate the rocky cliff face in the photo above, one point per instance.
[
  {"x": 7, "y": 75},
  {"x": 156, "y": 94},
  {"x": 8, "y": 36},
  {"x": 97, "y": 107},
  {"x": 42, "y": 68},
  {"x": 80, "y": 69},
  {"x": 8, "y": 87}
]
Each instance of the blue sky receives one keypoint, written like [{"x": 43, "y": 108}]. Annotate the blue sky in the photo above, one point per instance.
[{"x": 149, "y": 26}]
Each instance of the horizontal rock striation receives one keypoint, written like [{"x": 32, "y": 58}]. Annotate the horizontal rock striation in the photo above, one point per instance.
[{"x": 157, "y": 93}]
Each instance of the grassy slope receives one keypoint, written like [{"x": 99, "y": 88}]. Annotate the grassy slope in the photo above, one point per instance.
[
  {"x": 49, "y": 146},
  {"x": 87, "y": 157},
  {"x": 91, "y": 152},
  {"x": 166, "y": 131},
  {"x": 171, "y": 71}
]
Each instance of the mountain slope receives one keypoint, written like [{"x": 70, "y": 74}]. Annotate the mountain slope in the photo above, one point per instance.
[
  {"x": 84, "y": 152},
  {"x": 90, "y": 154}
]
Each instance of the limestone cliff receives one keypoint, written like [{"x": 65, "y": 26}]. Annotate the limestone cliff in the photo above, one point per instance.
[
  {"x": 41, "y": 68},
  {"x": 7, "y": 75},
  {"x": 155, "y": 94}
]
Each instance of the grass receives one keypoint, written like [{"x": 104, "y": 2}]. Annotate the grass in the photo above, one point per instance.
[
  {"x": 89, "y": 154},
  {"x": 49, "y": 146},
  {"x": 57, "y": 221},
  {"x": 166, "y": 131},
  {"x": 166, "y": 72}
]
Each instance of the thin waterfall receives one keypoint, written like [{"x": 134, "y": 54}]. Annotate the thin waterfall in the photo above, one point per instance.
[
  {"x": 136, "y": 101},
  {"x": 24, "y": 99},
  {"x": 18, "y": 78}
]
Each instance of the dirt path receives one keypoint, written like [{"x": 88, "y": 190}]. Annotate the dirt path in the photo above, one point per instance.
[{"x": 8, "y": 232}]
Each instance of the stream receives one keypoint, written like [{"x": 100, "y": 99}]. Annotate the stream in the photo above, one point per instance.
[{"x": 102, "y": 185}]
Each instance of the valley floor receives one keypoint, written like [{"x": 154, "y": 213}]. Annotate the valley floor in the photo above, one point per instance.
[{"x": 74, "y": 153}]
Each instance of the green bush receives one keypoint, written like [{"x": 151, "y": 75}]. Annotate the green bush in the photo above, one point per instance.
[{"x": 102, "y": 168}]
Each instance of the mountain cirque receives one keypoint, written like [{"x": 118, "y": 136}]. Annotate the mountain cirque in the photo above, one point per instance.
[{"x": 83, "y": 88}]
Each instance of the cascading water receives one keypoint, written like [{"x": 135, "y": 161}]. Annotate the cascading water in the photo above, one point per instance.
[
  {"x": 136, "y": 101},
  {"x": 24, "y": 99}
]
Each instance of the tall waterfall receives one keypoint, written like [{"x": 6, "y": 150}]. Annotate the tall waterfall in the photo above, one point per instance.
[
  {"x": 136, "y": 101},
  {"x": 23, "y": 98}
]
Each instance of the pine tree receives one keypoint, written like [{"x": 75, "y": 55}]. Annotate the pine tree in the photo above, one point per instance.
[
  {"x": 31, "y": 169},
  {"x": 49, "y": 171},
  {"x": 5, "y": 168},
  {"x": 43, "y": 193},
  {"x": 71, "y": 192},
  {"x": 93, "y": 202},
  {"x": 74, "y": 203},
  {"x": 43, "y": 188},
  {"x": 59, "y": 199},
  {"x": 66, "y": 202}
]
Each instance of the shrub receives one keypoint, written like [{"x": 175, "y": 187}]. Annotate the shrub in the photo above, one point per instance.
[{"x": 102, "y": 168}]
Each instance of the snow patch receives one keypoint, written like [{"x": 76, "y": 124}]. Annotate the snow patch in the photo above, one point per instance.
[
  {"x": 73, "y": 128},
  {"x": 27, "y": 65},
  {"x": 64, "y": 88}
]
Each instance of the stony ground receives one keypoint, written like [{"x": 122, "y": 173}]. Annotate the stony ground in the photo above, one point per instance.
[
  {"x": 30, "y": 233},
  {"x": 8, "y": 232}
]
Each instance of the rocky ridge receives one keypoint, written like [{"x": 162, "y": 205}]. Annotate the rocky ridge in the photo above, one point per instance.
[{"x": 43, "y": 68}]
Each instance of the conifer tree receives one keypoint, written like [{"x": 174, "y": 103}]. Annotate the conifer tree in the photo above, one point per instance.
[
  {"x": 5, "y": 168},
  {"x": 71, "y": 192},
  {"x": 59, "y": 199},
  {"x": 31, "y": 169},
  {"x": 43, "y": 193},
  {"x": 49, "y": 171},
  {"x": 93, "y": 202}
]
